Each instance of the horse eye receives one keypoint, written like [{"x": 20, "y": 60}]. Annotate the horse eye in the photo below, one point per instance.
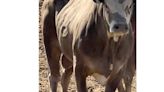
[{"x": 131, "y": 6}]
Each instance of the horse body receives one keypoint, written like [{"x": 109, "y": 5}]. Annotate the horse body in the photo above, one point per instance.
[{"x": 84, "y": 32}]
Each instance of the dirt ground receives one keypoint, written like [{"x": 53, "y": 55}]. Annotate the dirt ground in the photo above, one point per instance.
[{"x": 92, "y": 84}]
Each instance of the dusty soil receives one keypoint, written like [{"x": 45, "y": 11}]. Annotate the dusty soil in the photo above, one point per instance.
[{"x": 92, "y": 84}]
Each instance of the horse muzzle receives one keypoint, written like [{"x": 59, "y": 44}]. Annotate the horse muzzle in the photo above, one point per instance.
[{"x": 118, "y": 29}]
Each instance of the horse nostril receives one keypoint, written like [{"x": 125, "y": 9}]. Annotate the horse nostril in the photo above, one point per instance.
[
  {"x": 126, "y": 27},
  {"x": 116, "y": 27},
  {"x": 120, "y": 27}
]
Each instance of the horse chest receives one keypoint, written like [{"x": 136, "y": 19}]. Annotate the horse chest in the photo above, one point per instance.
[{"x": 99, "y": 69}]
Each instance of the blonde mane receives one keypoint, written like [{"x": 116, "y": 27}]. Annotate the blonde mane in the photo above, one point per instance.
[{"x": 75, "y": 16}]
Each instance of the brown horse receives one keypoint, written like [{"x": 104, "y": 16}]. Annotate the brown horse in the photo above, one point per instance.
[{"x": 93, "y": 35}]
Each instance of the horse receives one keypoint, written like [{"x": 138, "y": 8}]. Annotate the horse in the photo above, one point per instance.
[{"x": 94, "y": 36}]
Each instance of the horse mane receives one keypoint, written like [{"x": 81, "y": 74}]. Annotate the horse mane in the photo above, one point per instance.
[{"x": 77, "y": 16}]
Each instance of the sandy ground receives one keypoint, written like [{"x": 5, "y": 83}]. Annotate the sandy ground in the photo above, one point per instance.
[{"x": 92, "y": 84}]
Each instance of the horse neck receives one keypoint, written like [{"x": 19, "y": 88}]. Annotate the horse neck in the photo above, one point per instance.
[{"x": 100, "y": 21}]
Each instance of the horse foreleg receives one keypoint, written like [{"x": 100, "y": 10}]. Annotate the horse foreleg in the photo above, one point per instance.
[{"x": 67, "y": 74}]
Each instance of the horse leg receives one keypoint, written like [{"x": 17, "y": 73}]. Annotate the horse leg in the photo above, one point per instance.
[
  {"x": 67, "y": 74},
  {"x": 128, "y": 80},
  {"x": 80, "y": 75},
  {"x": 53, "y": 62},
  {"x": 120, "y": 87},
  {"x": 80, "y": 79},
  {"x": 53, "y": 57},
  {"x": 130, "y": 72},
  {"x": 52, "y": 50},
  {"x": 114, "y": 79}
]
